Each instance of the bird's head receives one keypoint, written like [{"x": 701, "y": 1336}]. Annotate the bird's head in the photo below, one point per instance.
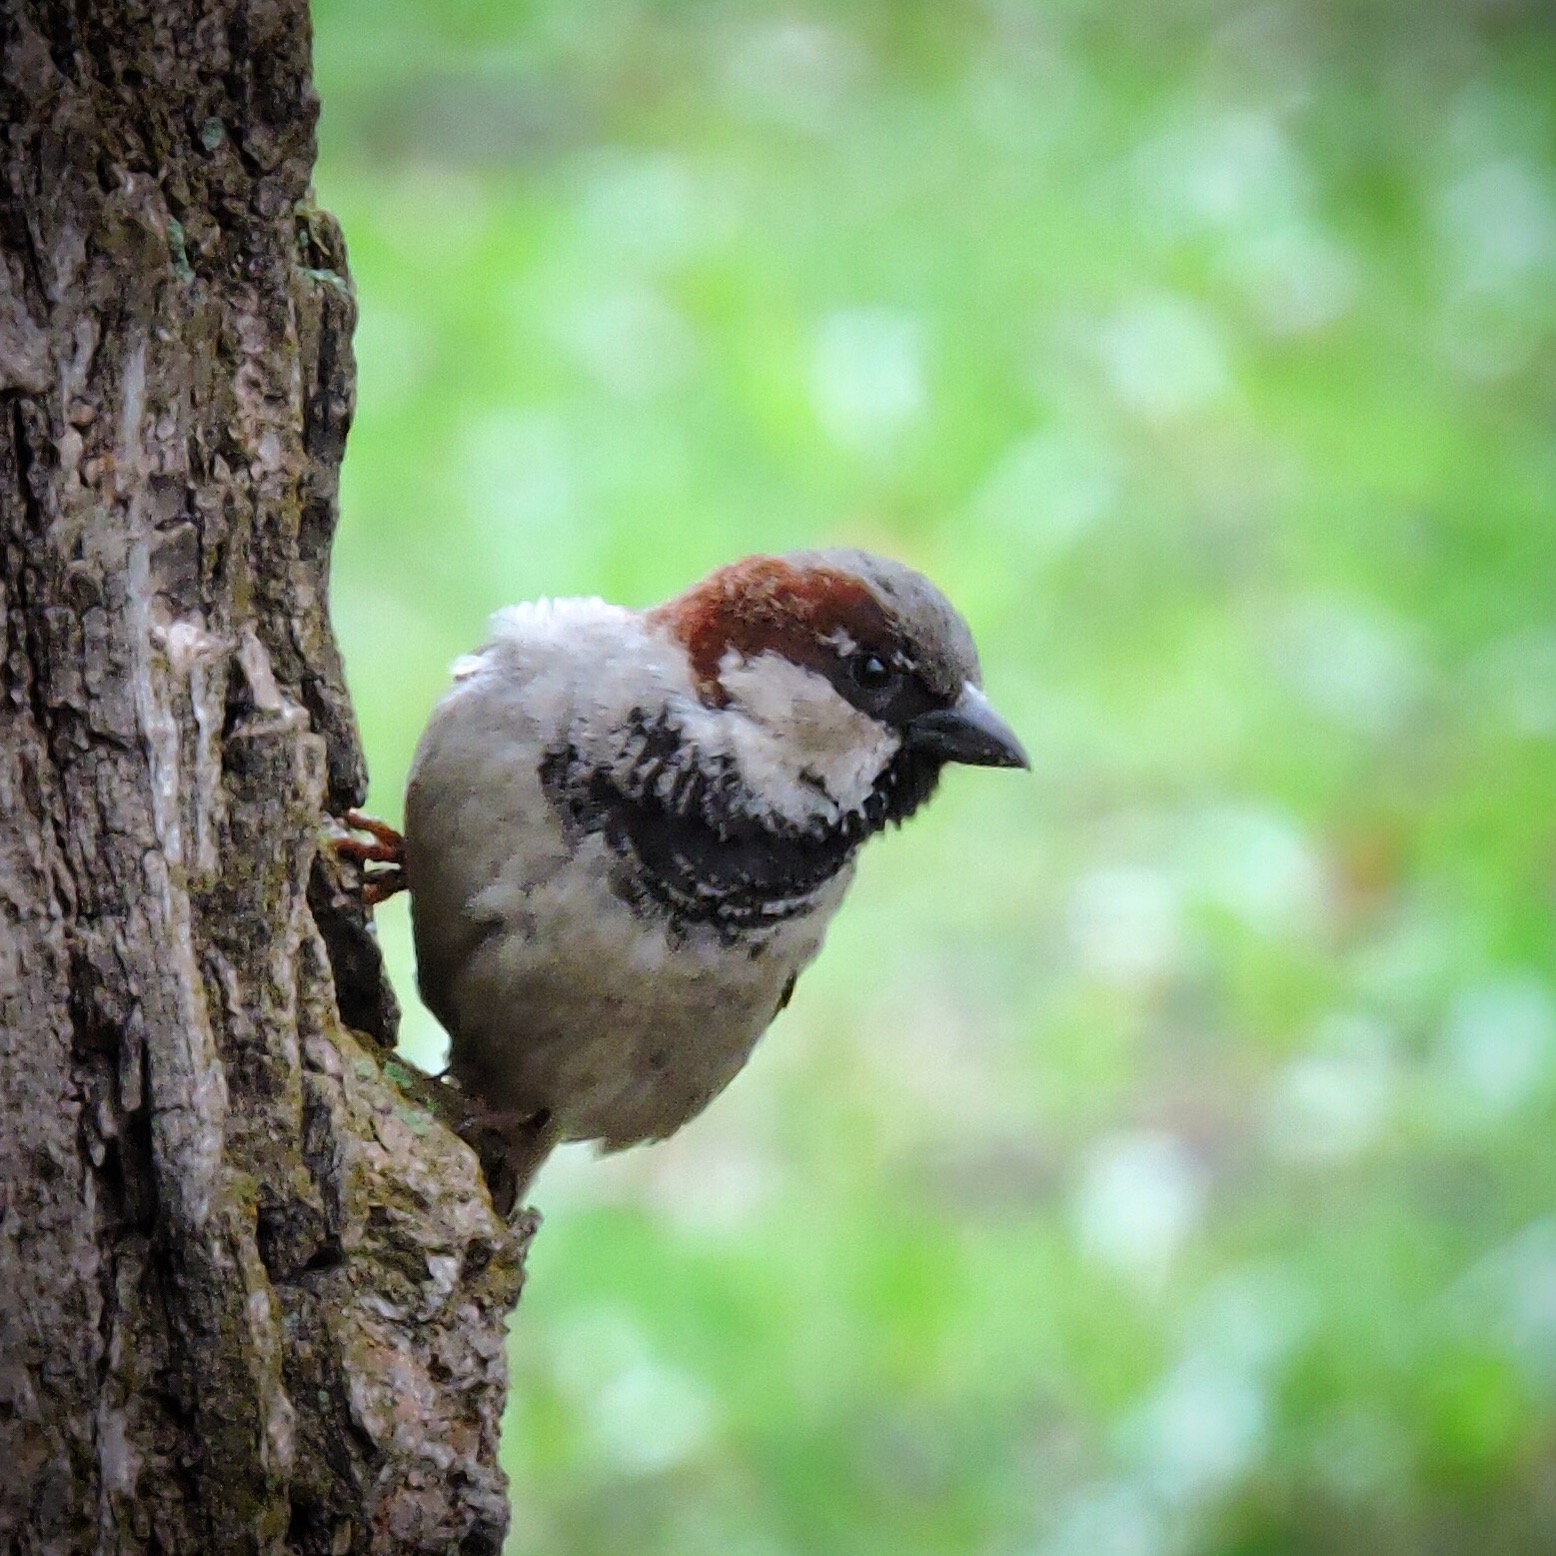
[{"x": 844, "y": 682}]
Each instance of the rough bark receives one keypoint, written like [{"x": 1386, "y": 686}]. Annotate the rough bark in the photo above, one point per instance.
[{"x": 252, "y": 1296}]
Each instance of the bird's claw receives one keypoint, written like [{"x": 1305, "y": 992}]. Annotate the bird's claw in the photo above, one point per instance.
[{"x": 386, "y": 849}]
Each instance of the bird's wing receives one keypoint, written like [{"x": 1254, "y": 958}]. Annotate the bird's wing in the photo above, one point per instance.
[{"x": 475, "y": 817}]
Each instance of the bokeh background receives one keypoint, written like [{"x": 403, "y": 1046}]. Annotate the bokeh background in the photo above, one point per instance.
[{"x": 1160, "y": 1161}]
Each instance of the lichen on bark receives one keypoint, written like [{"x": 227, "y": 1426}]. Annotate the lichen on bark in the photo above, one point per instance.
[{"x": 252, "y": 1295}]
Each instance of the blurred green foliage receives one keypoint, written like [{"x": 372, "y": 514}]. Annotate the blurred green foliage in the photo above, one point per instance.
[{"x": 1160, "y": 1158}]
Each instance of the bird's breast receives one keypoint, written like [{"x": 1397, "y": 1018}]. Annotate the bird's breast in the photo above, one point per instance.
[
  {"x": 686, "y": 842},
  {"x": 624, "y": 1025}
]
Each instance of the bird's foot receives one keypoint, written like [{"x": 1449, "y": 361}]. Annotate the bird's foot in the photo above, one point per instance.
[{"x": 383, "y": 847}]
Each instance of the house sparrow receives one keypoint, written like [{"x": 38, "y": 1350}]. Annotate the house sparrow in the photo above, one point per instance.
[{"x": 626, "y": 831}]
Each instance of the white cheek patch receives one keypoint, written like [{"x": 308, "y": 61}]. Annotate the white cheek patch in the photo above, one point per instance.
[{"x": 790, "y": 730}]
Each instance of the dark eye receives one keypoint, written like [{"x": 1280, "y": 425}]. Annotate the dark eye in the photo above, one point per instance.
[{"x": 871, "y": 673}]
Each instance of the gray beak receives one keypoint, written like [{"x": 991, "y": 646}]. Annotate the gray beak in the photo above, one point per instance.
[{"x": 970, "y": 731}]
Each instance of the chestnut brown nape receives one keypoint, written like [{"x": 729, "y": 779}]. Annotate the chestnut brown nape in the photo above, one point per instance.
[
  {"x": 768, "y": 605},
  {"x": 804, "y": 604}
]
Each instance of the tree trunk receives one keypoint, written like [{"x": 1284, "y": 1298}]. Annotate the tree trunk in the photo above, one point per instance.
[{"x": 252, "y": 1295}]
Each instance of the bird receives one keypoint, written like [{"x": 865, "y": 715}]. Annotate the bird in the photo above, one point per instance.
[{"x": 626, "y": 831}]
